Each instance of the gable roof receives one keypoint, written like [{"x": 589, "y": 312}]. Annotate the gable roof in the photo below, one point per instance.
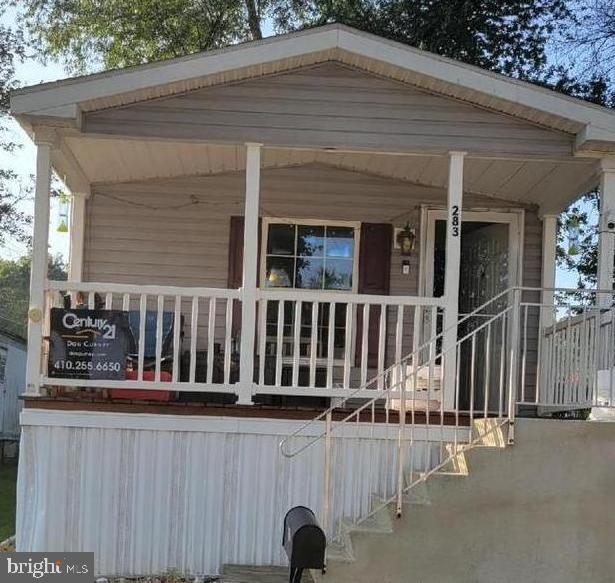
[{"x": 593, "y": 126}]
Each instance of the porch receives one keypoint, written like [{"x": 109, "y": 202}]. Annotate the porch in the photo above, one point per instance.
[
  {"x": 294, "y": 283},
  {"x": 322, "y": 270}
]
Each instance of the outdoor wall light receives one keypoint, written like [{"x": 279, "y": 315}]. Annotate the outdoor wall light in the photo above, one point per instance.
[{"x": 406, "y": 239}]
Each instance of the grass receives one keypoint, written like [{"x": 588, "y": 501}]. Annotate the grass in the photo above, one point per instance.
[{"x": 8, "y": 480}]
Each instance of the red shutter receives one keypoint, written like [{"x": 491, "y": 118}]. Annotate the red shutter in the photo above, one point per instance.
[
  {"x": 235, "y": 264},
  {"x": 374, "y": 278}
]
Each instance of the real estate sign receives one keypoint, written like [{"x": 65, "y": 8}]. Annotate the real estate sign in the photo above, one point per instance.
[{"x": 88, "y": 344}]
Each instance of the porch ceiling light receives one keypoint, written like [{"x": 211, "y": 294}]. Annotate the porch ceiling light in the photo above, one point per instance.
[{"x": 406, "y": 239}]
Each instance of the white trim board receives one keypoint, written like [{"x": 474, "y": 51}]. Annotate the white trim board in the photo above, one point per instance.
[{"x": 234, "y": 425}]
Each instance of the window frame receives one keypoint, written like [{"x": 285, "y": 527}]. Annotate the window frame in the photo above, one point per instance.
[{"x": 266, "y": 221}]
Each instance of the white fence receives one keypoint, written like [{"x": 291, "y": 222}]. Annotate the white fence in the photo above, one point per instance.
[
  {"x": 307, "y": 343},
  {"x": 567, "y": 349},
  {"x": 329, "y": 343},
  {"x": 171, "y": 326}
]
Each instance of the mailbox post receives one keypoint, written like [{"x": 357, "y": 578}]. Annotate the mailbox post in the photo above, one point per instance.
[{"x": 304, "y": 542}]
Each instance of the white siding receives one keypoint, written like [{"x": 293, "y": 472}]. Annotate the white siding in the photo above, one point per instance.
[
  {"x": 152, "y": 493},
  {"x": 13, "y": 386}
]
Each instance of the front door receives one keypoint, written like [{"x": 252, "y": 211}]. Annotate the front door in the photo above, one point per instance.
[
  {"x": 489, "y": 258},
  {"x": 484, "y": 269}
]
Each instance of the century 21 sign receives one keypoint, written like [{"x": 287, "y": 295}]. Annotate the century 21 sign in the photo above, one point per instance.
[{"x": 89, "y": 344}]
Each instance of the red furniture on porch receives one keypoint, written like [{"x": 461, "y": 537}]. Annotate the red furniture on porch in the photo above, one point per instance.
[{"x": 143, "y": 394}]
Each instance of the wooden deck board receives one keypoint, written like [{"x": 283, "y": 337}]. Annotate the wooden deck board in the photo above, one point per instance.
[{"x": 95, "y": 403}]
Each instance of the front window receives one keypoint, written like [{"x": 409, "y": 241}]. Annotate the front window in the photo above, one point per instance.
[{"x": 310, "y": 256}]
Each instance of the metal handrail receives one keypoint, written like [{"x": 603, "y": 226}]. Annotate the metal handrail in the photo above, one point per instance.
[
  {"x": 411, "y": 356},
  {"x": 510, "y": 324}
]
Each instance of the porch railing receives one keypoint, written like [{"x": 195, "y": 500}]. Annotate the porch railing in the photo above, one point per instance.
[
  {"x": 328, "y": 343},
  {"x": 307, "y": 343},
  {"x": 567, "y": 349},
  {"x": 331, "y": 344},
  {"x": 405, "y": 439},
  {"x": 515, "y": 349},
  {"x": 173, "y": 328}
]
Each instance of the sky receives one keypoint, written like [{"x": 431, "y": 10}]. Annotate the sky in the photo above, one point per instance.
[{"x": 23, "y": 161}]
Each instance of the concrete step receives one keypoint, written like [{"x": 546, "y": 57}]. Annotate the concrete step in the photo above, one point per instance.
[
  {"x": 254, "y": 574},
  {"x": 489, "y": 433},
  {"x": 419, "y": 493},
  {"x": 340, "y": 550},
  {"x": 379, "y": 522},
  {"x": 457, "y": 465}
]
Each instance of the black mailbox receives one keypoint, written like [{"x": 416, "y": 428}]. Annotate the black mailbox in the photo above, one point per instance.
[{"x": 304, "y": 542}]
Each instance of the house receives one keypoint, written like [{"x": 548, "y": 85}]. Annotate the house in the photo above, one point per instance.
[
  {"x": 314, "y": 269},
  {"x": 12, "y": 382}
]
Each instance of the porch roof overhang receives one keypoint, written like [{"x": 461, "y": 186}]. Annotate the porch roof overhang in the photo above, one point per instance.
[{"x": 551, "y": 183}]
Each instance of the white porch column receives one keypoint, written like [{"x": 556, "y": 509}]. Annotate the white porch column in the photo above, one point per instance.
[
  {"x": 549, "y": 246},
  {"x": 39, "y": 266},
  {"x": 451, "y": 276},
  {"x": 250, "y": 270},
  {"x": 606, "y": 236},
  {"x": 77, "y": 236}
]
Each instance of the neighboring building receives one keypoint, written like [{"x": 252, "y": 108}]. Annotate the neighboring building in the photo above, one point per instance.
[
  {"x": 260, "y": 232},
  {"x": 12, "y": 383}
]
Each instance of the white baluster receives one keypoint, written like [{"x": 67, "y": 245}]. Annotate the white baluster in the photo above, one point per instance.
[{"x": 211, "y": 337}]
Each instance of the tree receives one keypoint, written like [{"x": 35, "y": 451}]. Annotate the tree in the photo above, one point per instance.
[
  {"x": 15, "y": 290},
  {"x": 503, "y": 35},
  {"x": 13, "y": 221},
  {"x": 592, "y": 34},
  {"x": 508, "y": 36},
  {"x": 89, "y": 33}
]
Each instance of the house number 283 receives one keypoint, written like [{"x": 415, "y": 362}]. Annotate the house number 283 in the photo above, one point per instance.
[{"x": 455, "y": 220}]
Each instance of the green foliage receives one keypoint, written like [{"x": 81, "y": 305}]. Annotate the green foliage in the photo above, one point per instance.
[
  {"x": 508, "y": 36},
  {"x": 13, "y": 222},
  {"x": 15, "y": 290},
  {"x": 502, "y": 35},
  {"x": 8, "y": 481},
  {"x": 116, "y": 33}
]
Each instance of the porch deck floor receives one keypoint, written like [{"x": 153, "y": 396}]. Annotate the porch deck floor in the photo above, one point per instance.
[{"x": 93, "y": 402}]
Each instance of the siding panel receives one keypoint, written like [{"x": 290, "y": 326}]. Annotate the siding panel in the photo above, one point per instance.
[
  {"x": 150, "y": 500},
  {"x": 129, "y": 241},
  {"x": 329, "y": 105}
]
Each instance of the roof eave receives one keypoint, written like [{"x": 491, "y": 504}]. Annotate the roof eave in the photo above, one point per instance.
[{"x": 60, "y": 100}]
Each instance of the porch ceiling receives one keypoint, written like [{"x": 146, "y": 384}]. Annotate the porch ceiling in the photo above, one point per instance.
[{"x": 550, "y": 184}]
